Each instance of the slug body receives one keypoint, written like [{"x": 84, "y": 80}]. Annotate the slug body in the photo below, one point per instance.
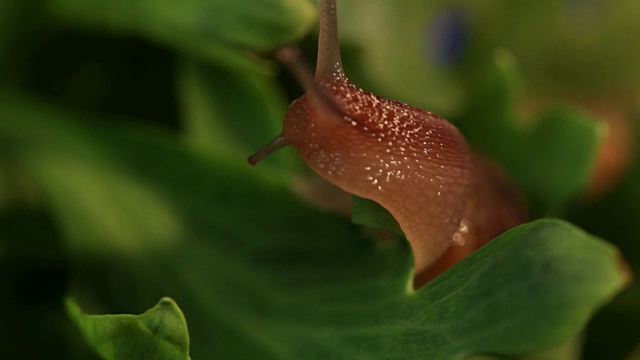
[{"x": 412, "y": 162}]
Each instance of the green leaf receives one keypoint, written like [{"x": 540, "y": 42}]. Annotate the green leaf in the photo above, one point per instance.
[
  {"x": 551, "y": 156},
  {"x": 267, "y": 277},
  {"x": 159, "y": 333},
  {"x": 224, "y": 31}
]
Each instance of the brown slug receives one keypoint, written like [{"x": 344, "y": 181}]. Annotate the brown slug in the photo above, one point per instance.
[{"x": 414, "y": 163}]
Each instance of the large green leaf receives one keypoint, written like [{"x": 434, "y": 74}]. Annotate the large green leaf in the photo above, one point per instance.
[
  {"x": 160, "y": 333},
  {"x": 224, "y": 31},
  {"x": 260, "y": 275}
]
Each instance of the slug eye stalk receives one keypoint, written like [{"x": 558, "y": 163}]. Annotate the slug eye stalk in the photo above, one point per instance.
[
  {"x": 274, "y": 145},
  {"x": 322, "y": 98}
]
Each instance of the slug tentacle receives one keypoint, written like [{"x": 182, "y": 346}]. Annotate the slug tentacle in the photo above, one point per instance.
[
  {"x": 329, "y": 59},
  {"x": 325, "y": 102},
  {"x": 274, "y": 145},
  {"x": 412, "y": 162}
]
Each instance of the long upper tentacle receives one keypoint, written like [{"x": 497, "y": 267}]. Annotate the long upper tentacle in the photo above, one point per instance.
[{"x": 329, "y": 59}]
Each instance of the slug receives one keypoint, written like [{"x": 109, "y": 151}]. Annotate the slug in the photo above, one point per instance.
[{"x": 447, "y": 200}]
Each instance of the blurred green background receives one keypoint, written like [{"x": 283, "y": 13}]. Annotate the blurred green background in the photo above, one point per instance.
[{"x": 124, "y": 131}]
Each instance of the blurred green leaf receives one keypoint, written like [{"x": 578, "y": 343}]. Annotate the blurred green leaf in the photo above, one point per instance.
[
  {"x": 8, "y": 10},
  {"x": 267, "y": 277},
  {"x": 20, "y": 23},
  {"x": 160, "y": 333},
  {"x": 33, "y": 282},
  {"x": 551, "y": 157},
  {"x": 635, "y": 355},
  {"x": 558, "y": 159},
  {"x": 570, "y": 350},
  {"x": 228, "y": 32},
  {"x": 394, "y": 40},
  {"x": 616, "y": 215},
  {"x": 583, "y": 49},
  {"x": 229, "y": 113},
  {"x": 616, "y": 330},
  {"x": 370, "y": 213}
]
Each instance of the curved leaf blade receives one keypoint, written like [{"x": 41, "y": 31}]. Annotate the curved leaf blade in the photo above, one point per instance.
[{"x": 159, "y": 333}]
